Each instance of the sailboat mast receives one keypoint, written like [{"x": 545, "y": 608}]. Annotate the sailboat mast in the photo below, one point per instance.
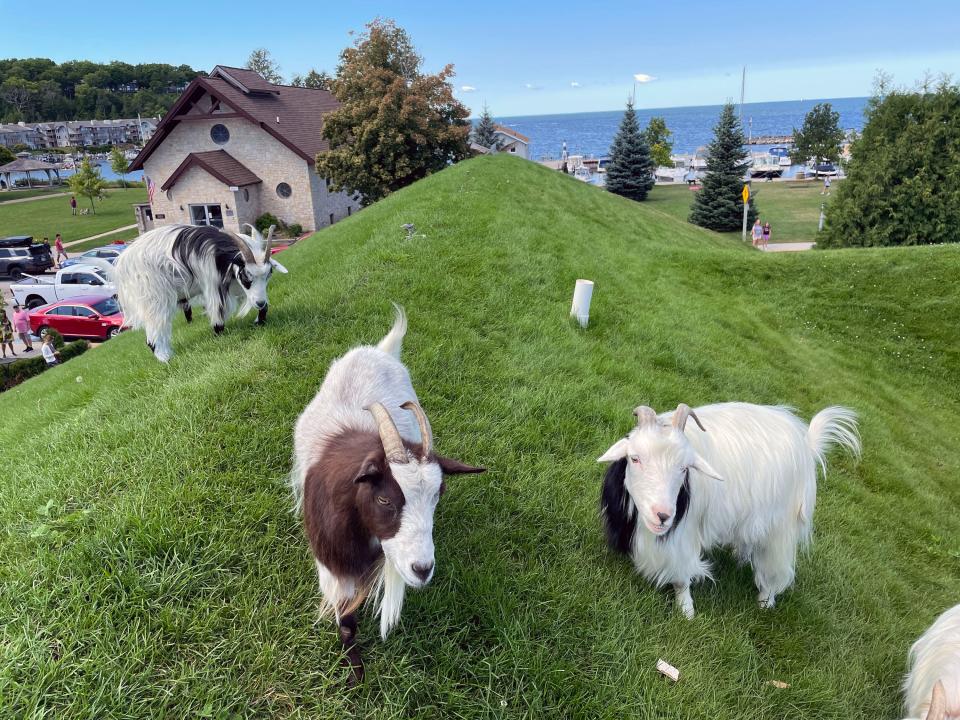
[{"x": 743, "y": 86}]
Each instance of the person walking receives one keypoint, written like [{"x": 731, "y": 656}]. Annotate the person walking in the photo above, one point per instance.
[
  {"x": 757, "y": 233},
  {"x": 73, "y": 205},
  {"x": 21, "y": 325},
  {"x": 766, "y": 235},
  {"x": 6, "y": 334},
  {"x": 58, "y": 246},
  {"x": 50, "y": 353},
  {"x": 826, "y": 186}
]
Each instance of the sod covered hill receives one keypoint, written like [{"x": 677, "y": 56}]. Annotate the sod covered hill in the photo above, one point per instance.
[{"x": 151, "y": 566}]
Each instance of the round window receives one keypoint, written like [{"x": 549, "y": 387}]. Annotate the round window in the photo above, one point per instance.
[
  {"x": 284, "y": 191},
  {"x": 219, "y": 134},
  {"x": 246, "y": 195}
]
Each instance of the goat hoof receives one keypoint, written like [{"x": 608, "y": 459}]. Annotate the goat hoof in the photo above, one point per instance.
[
  {"x": 217, "y": 329},
  {"x": 188, "y": 314}
]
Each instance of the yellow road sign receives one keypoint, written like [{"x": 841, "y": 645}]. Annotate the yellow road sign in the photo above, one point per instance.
[{"x": 746, "y": 193}]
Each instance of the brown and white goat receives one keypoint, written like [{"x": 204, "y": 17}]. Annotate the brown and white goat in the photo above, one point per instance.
[{"x": 367, "y": 480}]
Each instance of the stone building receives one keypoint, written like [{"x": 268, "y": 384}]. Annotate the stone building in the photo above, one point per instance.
[{"x": 235, "y": 146}]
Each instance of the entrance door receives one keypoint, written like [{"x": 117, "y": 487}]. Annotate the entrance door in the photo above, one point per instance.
[{"x": 206, "y": 215}]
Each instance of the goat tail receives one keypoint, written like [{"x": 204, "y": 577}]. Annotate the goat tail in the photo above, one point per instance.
[
  {"x": 834, "y": 425},
  {"x": 394, "y": 339}
]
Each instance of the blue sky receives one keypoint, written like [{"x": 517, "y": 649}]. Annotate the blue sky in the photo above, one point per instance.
[{"x": 534, "y": 57}]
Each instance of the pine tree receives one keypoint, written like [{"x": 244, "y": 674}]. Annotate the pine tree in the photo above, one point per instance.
[
  {"x": 485, "y": 133},
  {"x": 630, "y": 172},
  {"x": 719, "y": 203}
]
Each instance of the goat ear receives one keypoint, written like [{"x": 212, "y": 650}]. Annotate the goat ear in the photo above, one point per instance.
[
  {"x": 704, "y": 467},
  {"x": 278, "y": 267},
  {"x": 370, "y": 469},
  {"x": 938, "y": 703},
  {"x": 616, "y": 451},
  {"x": 449, "y": 466}
]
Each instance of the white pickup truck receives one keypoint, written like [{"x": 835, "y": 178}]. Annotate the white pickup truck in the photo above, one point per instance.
[{"x": 69, "y": 282}]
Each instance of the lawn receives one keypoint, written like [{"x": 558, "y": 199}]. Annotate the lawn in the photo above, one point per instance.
[
  {"x": 791, "y": 208},
  {"x": 100, "y": 242},
  {"x": 151, "y": 566},
  {"x": 8, "y": 195},
  {"x": 47, "y": 217}
]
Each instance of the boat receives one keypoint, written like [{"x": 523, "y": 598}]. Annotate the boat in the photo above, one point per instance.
[
  {"x": 828, "y": 169},
  {"x": 582, "y": 173},
  {"x": 765, "y": 166},
  {"x": 779, "y": 151},
  {"x": 785, "y": 161}
]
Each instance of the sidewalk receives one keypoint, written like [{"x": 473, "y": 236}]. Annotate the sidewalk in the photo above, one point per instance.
[
  {"x": 789, "y": 247},
  {"x": 29, "y": 199},
  {"x": 95, "y": 237}
]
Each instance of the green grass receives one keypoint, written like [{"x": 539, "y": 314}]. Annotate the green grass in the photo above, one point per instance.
[
  {"x": 791, "y": 208},
  {"x": 46, "y": 218},
  {"x": 6, "y": 196},
  {"x": 100, "y": 242},
  {"x": 150, "y": 565}
]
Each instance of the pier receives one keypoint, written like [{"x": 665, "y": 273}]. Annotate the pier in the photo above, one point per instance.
[{"x": 770, "y": 140}]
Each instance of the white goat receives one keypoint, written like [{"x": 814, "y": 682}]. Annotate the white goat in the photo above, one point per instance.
[
  {"x": 750, "y": 483},
  {"x": 932, "y": 686},
  {"x": 368, "y": 481},
  {"x": 167, "y": 267}
]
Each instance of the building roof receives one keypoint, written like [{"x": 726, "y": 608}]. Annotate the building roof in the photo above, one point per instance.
[
  {"x": 245, "y": 80},
  {"x": 219, "y": 163},
  {"x": 26, "y": 165},
  {"x": 293, "y": 115},
  {"x": 512, "y": 133}
]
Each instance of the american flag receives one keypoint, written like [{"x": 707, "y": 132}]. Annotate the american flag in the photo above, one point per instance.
[{"x": 150, "y": 189}]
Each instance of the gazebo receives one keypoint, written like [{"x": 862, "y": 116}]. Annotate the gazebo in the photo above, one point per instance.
[{"x": 25, "y": 164}]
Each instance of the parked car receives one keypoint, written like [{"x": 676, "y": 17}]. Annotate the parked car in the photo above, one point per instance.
[
  {"x": 110, "y": 253},
  {"x": 15, "y": 261},
  {"x": 86, "y": 316},
  {"x": 77, "y": 280},
  {"x": 16, "y": 241}
]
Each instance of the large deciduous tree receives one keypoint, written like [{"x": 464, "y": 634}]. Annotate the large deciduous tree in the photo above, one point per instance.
[
  {"x": 262, "y": 62},
  {"x": 718, "y": 205},
  {"x": 820, "y": 137},
  {"x": 395, "y": 124},
  {"x": 630, "y": 172},
  {"x": 318, "y": 80},
  {"x": 87, "y": 182},
  {"x": 658, "y": 136},
  {"x": 903, "y": 178}
]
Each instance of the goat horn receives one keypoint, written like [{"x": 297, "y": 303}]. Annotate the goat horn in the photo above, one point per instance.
[
  {"x": 389, "y": 435},
  {"x": 268, "y": 243},
  {"x": 680, "y": 417},
  {"x": 938, "y": 703},
  {"x": 426, "y": 436},
  {"x": 645, "y": 415},
  {"x": 244, "y": 250}
]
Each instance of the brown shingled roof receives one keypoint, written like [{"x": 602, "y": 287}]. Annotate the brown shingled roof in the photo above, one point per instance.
[
  {"x": 246, "y": 80},
  {"x": 293, "y": 115},
  {"x": 219, "y": 163},
  {"x": 512, "y": 133}
]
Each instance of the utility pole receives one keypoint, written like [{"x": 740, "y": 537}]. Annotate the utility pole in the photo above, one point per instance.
[{"x": 743, "y": 87}]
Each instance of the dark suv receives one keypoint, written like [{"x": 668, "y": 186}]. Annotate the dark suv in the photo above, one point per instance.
[
  {"x": 16, "y": 241},
  {"x": 15, "y": 261}
]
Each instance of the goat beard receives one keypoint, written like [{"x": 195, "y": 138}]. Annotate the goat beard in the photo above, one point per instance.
[
  {"x": 261, "y": 315},
  {"x": 385, "y": 586}
]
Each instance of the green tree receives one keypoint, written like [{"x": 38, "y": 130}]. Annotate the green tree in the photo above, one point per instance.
[
  {"x": 313, "y": 79},
  {"x": 658, "y": 137},
  {"x": 485, "y": 133},
  {"x": 903, "y": 178},
  {"x": 262, "y": 62},
  {"x": 119, "y": 164},
  {"x": 6, "y": 155},
  {"x": 87, "y": 183},
  {"x": 631, "y": 168},
  {"x": 820, "y": 137},
  {"x": 718, "y": 205},
  {"x": 395, "y": 124}
]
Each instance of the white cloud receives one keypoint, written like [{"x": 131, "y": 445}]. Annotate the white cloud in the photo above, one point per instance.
[
  {"x": 643, "y": 78},
  {"x": 574, "y": 84},
  {"x": 468, "y": 88},
  {"x": 531, "y": 86}
]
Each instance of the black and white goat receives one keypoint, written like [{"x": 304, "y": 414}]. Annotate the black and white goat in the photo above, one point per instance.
[
  {"x": 170, "y": 266},
  {"x": 932, "y": 686},
  {"x": 368, "y": 480},
  {"x": 750, "y": 483}
]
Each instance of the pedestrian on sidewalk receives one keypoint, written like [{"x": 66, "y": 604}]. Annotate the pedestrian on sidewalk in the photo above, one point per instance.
[
  {"x": 50, "y": 353},
  {"x": 21, "y": 325},
  {"x": 6, "y": 334},
  {"x": 826, "y": 186},
  {"x": 73, "y": 205},
  {"x": 766, "y": 235},
  {"x": 58, "y": 246},
  {"x": 757, "y": 233}
]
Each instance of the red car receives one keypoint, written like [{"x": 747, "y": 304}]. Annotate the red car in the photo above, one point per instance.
[{"x": 86, "y": 316}]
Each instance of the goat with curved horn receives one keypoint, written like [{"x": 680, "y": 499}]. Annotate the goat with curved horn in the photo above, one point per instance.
[
  {"x": 426, "y": 436},
  {"x": 389, "y": 435},
  {"x": 645, "y": 415},
  {"x": 680, "y": 416}
]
